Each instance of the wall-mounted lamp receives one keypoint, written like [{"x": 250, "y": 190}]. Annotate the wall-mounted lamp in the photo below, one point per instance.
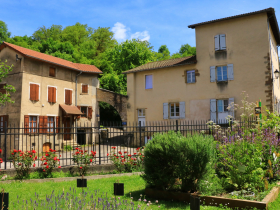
[
  {"x": 17, "y": 58},
  {"x": 276, "y": 73}
]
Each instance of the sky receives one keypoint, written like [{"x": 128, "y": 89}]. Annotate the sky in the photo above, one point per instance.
[{"x": 161, "y": 22}]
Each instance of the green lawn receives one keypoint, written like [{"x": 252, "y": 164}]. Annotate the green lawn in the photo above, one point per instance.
[{"x": 22, "y": 194}]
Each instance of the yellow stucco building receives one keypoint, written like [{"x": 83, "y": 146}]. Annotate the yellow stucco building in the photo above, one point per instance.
[{"x": 234, "y": 54}]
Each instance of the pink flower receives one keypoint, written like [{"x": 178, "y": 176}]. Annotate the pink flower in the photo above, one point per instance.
[{"x": 59, "y": 166}]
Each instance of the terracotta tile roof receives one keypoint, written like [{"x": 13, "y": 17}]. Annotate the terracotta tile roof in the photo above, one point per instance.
[
  {"x": 270, "y": 13},
  {"x": 163, "y": 64},
  {"x": 51, "y": 59},
  {"x": 73, "y": 110}
]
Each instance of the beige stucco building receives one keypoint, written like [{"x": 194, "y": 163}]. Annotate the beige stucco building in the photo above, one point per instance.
[
  {"x": 50, "y": 92},
  {"x": 234, "y": 54}
]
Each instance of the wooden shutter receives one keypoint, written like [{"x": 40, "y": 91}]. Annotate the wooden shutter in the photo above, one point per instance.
[
  {"x": 26, "y": 123},
  {"x": 217, "y": 42},
  {"x": 70, "y": 97},
  {"x": 32, "y": 92},
  {"x": 54, "y": 95},
  {"x": 45, "y": 124},
  {"x": 182, "y": 109},
  {"x": 79, "y": 116},
  {"x": 36, "y": 92},
  {"x": 41, "y": 124},
  {"x": 223, "y": 42},
  {"x": 57, "y": 124},
  {"x": 165, "y": 110},
  {"x": 213, "y": 114},
  {"x": 84, "y": 88},
  {"x": 66, "y": 97},
  {"x": 212, "y": 73},
  {"x": 231, "y": 102},
  {"x": 90, "y": 112},
  {"x": 230, "y": 71},
  {"x": 50, "y": 94}
]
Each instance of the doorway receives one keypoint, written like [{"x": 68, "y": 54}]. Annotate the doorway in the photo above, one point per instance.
[
  {"x": 81, "y": 137},
  {"x": 141, "y": 116},
  {"x": 67, "y": 128}
]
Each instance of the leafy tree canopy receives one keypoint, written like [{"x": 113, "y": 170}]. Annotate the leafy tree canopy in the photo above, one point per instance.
[
  {"x": 4, "y": 33},
  {"x": 4, "y": 70}
]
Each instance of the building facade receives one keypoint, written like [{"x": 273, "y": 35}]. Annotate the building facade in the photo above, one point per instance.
[
  {"x": 234, "y": 54},
  {"x": 50, "y": 92}
]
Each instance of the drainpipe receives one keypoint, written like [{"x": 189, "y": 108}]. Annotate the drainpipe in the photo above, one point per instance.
[{"x": 76, "y": 99}]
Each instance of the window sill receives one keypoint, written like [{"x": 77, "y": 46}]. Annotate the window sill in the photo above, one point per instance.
[
  {"x": 84, "y": 94},
  {"x": 222, "y": 82},
  {"x": 191, "y": 82},
  {"x": 220, "y": 50}
]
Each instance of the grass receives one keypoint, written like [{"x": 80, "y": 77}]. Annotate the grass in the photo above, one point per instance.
[{"x": 22, "y": 193}]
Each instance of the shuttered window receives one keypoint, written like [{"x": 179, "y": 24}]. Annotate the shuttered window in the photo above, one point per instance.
[
  {"x": 2, "y": 90},
  {"x": 84, "y": 88},
  {"x": 191, "y": 76},
  {"x": 84, "y": 111},
  {"x": 68, "y": 97},
  {"x": 34, "y": 92},
  {"x": 3, "y": 121},
  {"x": 52, "y": 94},
  {"x": 221, "y": 73},
  {"x": 174, "y": 110},
  {"x": 89, "y": 112},
  {"x": 52, "y": 72},
  {"x": 33, "y": 124},
  {"x": 220, "y": 42}
]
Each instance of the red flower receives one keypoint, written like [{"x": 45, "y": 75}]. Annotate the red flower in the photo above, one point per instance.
[
  {"x": 129, "y": 155},
  {"x": 47, "y": 154},
  {"x": 77, "y": 153},
  {"x": 117, "y": 157},
  {"x": 139, "y": 153},
  {"x": 15, "y": 151},
  {"x": 125, "y": 152},
  {"x": 57, "y": 159},
  {"x": 0, "y": 151},
  {"x": 90, "y": 160},
  {"x": 34, "y": 165},
  {"x": 122, "y": 156},
  {"x": 35, "y": 157},
  {"x": 33, "y": 151},
  {"x": 135, "y": 153},
  {"x": 107, "y": 154},
  {"x": 19, "y": 150},
  {"x": 113, "y": 147},
  {"x": 120, "y": 152},
  {"x": 81, "y": 167},
  {"x": 30, "y": 155},
  {"x": 12, "y": 153},
  {"x": 59, "y": 166},
  {"x": 19, "y": 164},
  {"x": 47, "y": 166},
  {"x": 51, "y": 150},
  {"x": 77, "y": 148},
  {"x": 59, "y": 155},
  {"x": 44, "y": 170},
  {"x": 138, "y": 148},
  {"x": 20, "y": 155},
  {"x": 45, "y": 163}
]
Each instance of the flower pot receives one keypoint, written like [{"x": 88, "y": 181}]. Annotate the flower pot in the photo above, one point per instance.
[
  {"x": 81, "y": 182},
  {"x": 5, "y": 201},
  {"x": 119, "y": 189}
]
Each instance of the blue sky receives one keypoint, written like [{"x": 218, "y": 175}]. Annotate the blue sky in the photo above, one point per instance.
[{"x": 158, "y": 21}]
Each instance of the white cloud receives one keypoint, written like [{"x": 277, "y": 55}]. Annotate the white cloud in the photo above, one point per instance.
[
  {"x": 119, "y": 30},
  {"x": 143, "y": 36}
]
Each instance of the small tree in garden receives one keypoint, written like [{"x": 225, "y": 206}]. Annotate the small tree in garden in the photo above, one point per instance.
[
  {"x": 22, "y": 162},
  {"x": 83, "y": 159},
  {"x": 49, "y": 162},
  {"x": 125, "y": 162}
]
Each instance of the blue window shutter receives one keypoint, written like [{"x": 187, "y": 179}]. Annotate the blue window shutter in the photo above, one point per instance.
[
  {"x": 217, "y": 42},
  {"x": 212, "y": 74},
  {"x": 165, "y": 110},
  {"x": 230, "y": 71},
  {"x": 182, "y": 109},
  {"x": 213, "y": 112},
  {"x": 223, "y": 42},
  {"x": 230, "y": 103}
]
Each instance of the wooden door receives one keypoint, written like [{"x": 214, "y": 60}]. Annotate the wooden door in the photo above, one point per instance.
[
  {"x": 46, "y": 147},
  {"x": 67, "y": 128}
]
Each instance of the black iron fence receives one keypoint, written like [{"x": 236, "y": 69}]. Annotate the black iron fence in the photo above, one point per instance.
[{"x": 100, "y": 139}]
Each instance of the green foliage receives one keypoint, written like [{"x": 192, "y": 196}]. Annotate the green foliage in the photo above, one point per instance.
[
  {"x": 49, "y": 162},
  {"x": 83, "y": 159},
  {"x": 4, "y": 33},
  {"x": 187, "y": 50},
  {"x": 4, "y": 71},
  {"x": 68, "y": 148},
  {"x": 183, "y": 158},
  {"x": 22, "y": 161}
]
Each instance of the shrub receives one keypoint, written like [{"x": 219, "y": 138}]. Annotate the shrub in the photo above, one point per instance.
[
  {"x": 83, "y": 160},
  {"x": 125, "y": 162},
  {"x": 22, "y": 162},
  {"x": 68, "y": 148},
  {"x": 49, "y": 162},
  {"x": 170, "y": 156}
]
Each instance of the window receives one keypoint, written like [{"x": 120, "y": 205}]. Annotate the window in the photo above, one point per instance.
[
  {"x": 52, "y": 94},
  {"x": 222, "y": 105},
  {"x": 50, "y": 124},
  {"x": 141, "y": 112},
  {"x": 219, "y": 109},
  {"x": 84, "y": 110},
  {"x": 68, "y": 97},
  {"x": 148, "y": 81},
  {"x": 174, "y": 110},
  {"x": 84, "y": 88},
  {"x": 3, "y": 121},
  {"x": 32, "y": 124},
  {"x": 222, "y": 73},
  {"x": 191, "y": 76},
  {"x": 52, "y": 72},
  {"x": 2, "y": 90},
  {"x": 34, "y": 92},
  {"x": 220, "y": 42}
]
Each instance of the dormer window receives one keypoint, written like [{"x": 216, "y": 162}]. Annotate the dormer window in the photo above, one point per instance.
[{"x": 220, "y": 42}]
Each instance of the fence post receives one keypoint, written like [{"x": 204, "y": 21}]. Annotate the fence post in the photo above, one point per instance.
[
  {"x": 54, "y": 133},
  {"x": 99, "y": 136},
  {"x": 177, "y": 129},
  {"x": 5, "y": 140},
  {"x": 140, "y": 130}
]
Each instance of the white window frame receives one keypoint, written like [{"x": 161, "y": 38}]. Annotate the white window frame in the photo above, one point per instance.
[
  {"x": 223, "y": 105},
  {"x": 141, "y": 114},
  {"x": 55, "y": 92},
  {"x": 39, "y": 90},
  {"x": 37, "y": 123},
  {"x": 191, "y": 74},
  {"x": 152, "y": 81},
  {"x": 72, "y": 94},
  {"x": 174, "y": 117},
  {"x": 222, "y": 72}
]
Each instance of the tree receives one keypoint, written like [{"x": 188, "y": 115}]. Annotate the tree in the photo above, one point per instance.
[
  {"x": 187, "y": 50},
  {"x": 44, "y": 33},
  {"x": 4, "y": 34},
  {"x": 163, "y": 53},
  {"x": 6, "y": 97}
]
